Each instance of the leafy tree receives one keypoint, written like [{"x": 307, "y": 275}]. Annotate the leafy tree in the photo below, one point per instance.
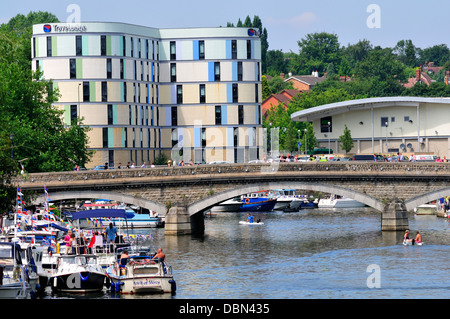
[
  {"x": 27, "y": 106},
  {"x": 317, "y": 50},
  {"x": 276, "y": 63},
  {"x": 406, "y": 52},
  {"x": 346, "y": 141},
  {"x": 439, "y": 54},
  {"x": 357, "y": 52}
]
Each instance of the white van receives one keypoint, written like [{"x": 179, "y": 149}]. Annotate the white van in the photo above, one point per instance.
[{"x": 425, "y": 158}]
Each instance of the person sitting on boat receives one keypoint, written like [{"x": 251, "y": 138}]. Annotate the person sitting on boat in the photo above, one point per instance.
[
  {"x": 250, "y": 218},
  {"x": 406, "y": 236},
  {"x": 159, "y": 255},
  {"x": 124, "y": 258}
]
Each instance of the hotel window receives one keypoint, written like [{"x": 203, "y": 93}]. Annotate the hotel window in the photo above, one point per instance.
[
  {"x": 146, "y": 49},
  {"x": 202, "y": 93},
  {"x": 241, "y": 114},
  {"x": 201, "y": 50},
  {"x": 130, "y": 115},
  {"x": 174, "y": 137},
  {"x": 249, "y": 49},
  {"x": 86, "y": 92},
  {"x": 103, "y": 45},
  {"x": 108, "y": 68},
  {"x": 124, "y": 43},
  {"x": 235, "y": 92},
  {"x": 49, "y": 46},
  {"x": 135, "y": 70},
  {"x": 239, "y": 71},
  {"x": 179, "y": 94},
  {"x": 78, "y": 45},
  {"x": 124, "y": 91},
  {"x": 233, "y": 49},
  {"x": 73, "y": 68},
  {"x": 110, "y": 114},
  {"x": 256, "y": 93},
  {"x": 324, "y": 126},
  {"x": 218, "y": 115},
  {"x": 174, "y": 112},
  {"x": 216, "y": 71},
  {"x": 132, "y": 47},
  {"x": 258, "y": 110},
  {"x": 203, "y": 137},
  {"x": 173, "y": 72},
  {"x": 104, "y": 91},
  {"x": 384, "y": 121},
  {"x": 121, "y": 69},
  {"x": 258, "y": 69},
  {"x": 105, "y": 137},
  {"x": 173, "y": 50},
  {"x": 73, "y": 114},
  {"x": 139, "y": 48},
  {"x": 142, "y": 70}
]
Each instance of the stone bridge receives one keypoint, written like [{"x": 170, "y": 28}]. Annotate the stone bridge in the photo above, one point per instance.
[{"x": 181, "y": 193}]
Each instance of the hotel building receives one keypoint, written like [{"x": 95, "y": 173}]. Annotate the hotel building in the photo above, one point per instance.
[{"x": 192, "y": 93}]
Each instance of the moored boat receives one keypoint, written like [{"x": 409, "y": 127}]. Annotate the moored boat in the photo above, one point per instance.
[
  {"x": 14, "y": 282},
  {"x": 141, "y": 274},
  {"x": 230, "y": 205},
  {"x": 78, "y": 274},
  {"x": 257, "y": 202},
  {"x": 335, "y": 201}
]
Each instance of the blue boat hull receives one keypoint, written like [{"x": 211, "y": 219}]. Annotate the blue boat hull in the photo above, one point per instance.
[{"x": 258, "y": 206}]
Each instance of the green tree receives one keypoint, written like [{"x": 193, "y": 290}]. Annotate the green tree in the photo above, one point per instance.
[
  {"x": 316, "y": 51},
  {"x": 406, "y": 52},
  {"x": 346, "y": 141},
  {"x": 27, "y": 106}
]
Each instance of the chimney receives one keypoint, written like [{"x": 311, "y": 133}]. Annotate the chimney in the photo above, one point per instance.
[{"x": 290, "y": 74}]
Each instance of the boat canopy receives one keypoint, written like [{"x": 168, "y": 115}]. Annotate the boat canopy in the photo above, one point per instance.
[{"x": 95, "y": 213}]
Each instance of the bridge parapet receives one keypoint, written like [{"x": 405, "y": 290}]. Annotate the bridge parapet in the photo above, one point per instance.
[{"x": 348, "y": 168}]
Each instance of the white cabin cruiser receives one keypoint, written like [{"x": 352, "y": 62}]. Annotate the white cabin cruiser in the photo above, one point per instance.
[
  {"x": 335, "y": 201},
  {"x": 141, "y": 273},
  {"x": 13, "y": 278},
  {"x": 78, "y": 273}
]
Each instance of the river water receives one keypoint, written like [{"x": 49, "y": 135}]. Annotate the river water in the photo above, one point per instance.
[{"x": 317, "y": 254}]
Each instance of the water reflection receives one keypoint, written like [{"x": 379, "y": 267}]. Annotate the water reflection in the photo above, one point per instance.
[{"x": 308, "y": 254}]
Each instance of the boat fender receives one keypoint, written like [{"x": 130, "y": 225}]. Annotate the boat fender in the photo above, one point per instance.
[
  {"x": 118, "y": 286},
  {"x": 84, "y": 278},
  {"x": 173, "y": 286}
]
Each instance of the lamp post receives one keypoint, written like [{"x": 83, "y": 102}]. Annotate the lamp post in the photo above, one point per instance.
[
  {"x": 299, "y": 138},
  {"x": 306, "y": 145},
  {"x": 387, "y": 149},
  {"x": 329, "y": 141}
]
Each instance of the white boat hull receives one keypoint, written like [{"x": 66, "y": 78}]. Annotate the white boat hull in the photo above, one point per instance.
[
  {"x": 339, "y": 203},
  {"x": 141, "y": 285},
  {"x": 409, "y": 243},
  {"x": 248, "y": 223},
  {"x": 17, "y": 290}
]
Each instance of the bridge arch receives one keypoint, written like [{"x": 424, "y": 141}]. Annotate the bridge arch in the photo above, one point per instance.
[
  {"x": 214, "y": 199},
  {"x": 426, "y": 198},
  {"x": 115, "y": 196}
]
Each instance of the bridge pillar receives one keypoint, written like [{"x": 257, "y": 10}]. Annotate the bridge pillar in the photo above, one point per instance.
[
  {"x": 177, "y": 222},
  {"x": 394, "y": 216}
]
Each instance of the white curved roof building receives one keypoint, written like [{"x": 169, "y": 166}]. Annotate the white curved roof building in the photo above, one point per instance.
[{"x": 384, "y": 125}]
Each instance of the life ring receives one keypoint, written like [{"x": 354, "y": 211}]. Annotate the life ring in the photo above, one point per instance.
[{"x": 247, "y": 200}]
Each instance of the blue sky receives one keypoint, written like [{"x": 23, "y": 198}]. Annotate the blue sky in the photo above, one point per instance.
[{"x": 287, "y": 21}]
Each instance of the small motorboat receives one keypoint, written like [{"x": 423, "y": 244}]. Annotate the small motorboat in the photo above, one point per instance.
[
  {"x": 78, "y": 273},
  {"x": 14, "y": 281},
  {"x": 141, "y": 274},
  {"x": 411, "y": 243},
  {"x": 250, "y": 223}
]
